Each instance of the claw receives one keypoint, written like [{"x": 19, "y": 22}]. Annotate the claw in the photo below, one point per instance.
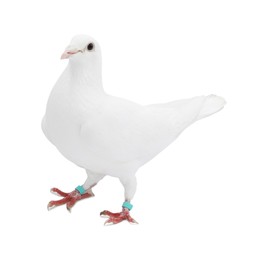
[
  {"x": 50, "y": 206},
  {"x": 103, "y": 215},
  {"x": 133, "y": 222}
]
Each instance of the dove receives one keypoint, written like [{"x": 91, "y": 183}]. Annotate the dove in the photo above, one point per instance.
[{"x": 108, "y": 135}]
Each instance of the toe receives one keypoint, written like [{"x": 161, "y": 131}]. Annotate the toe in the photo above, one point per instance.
[
  {"x": 58, "y": 192},
  {"x": 113, "y": 221},
  {"x": 132, "y": 221},
  {"x": 55, "y": 203},
  {"x": 73, "y": 199},
  {"x": 108, "y": 223},
  {"x": 106, "y": 214}
]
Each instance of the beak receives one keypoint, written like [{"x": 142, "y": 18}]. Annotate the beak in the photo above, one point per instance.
[{"x": 67, "y": 53}]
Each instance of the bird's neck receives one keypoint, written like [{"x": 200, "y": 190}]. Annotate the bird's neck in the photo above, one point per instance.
[{"x": 86, "y": 78}]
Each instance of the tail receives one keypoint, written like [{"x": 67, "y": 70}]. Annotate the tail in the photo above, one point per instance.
[{"x": 211, "y": 105}]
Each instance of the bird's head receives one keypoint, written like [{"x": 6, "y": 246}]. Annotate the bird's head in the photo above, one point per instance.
[{"x": 82, "y": 49}]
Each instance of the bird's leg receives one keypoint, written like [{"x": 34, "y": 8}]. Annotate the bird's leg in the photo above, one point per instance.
[
  {"x": 129, "y": 183},
  {"x": 81, "y": 192},
  {"x": 69, "y": 198},
  {"x": 115, "y": 218}
]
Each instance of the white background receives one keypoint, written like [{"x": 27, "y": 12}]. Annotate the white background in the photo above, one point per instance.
[{"x": 202, "y": 198}]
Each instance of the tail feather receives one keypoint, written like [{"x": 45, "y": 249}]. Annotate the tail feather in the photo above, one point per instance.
[{"x": 211, "y": 105}]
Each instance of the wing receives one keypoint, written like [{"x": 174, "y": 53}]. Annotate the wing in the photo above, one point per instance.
[{"x": 124, "y": 131}]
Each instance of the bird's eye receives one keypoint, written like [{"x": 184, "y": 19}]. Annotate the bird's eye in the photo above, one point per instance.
[{"x": 90, "y": 46}]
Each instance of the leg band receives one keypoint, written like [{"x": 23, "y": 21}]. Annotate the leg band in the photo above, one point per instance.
[
  {"x": 127, "y": 205},
  {"x": 80, "y": 189}
]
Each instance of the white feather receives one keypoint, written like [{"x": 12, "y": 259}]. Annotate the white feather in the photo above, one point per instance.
[{"x": 108, "y": 135}]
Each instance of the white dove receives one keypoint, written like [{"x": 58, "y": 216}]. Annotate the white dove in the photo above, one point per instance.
[{"x": 107, "y": 135}]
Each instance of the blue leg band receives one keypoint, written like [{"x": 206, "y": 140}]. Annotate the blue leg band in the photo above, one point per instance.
[
  {"x": 127, "y": 205},
  {"x": 80, "y": 189}
]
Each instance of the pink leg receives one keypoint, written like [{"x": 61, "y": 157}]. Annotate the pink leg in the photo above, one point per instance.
[
  {"x": 68, "y": 198},
  {"x": 115, "y": 218}
]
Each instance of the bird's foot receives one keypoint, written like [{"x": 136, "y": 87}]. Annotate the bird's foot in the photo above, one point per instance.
[
  {"x": 69, "y": 198},
  {"x": 115, "y": 218}
]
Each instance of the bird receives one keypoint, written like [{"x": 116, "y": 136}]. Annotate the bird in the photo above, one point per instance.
[{"x": 108, "y": 135}]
